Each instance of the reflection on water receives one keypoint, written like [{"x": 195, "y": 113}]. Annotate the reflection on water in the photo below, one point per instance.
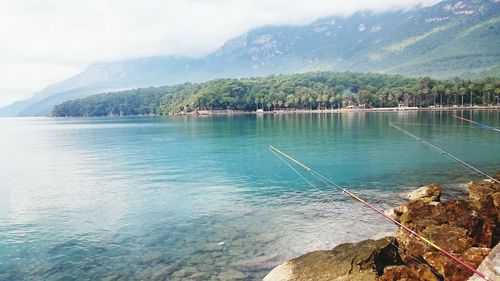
[{"x": 202, "y": 198}]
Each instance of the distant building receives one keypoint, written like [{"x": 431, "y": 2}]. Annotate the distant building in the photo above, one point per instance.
[{"x": 358, "y": 106}]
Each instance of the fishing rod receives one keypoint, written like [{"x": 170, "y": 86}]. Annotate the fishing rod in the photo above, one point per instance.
[
  {"x": 435, "y": 125},
  {"x": 380, "y": 212},
  {"x": 322, "y": 191},
  {"x": 443, "y": 152},
  {"x": 476, "y": 123}
]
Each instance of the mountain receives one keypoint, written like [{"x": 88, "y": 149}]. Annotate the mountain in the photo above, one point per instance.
[{"x": 451, "y": 38}]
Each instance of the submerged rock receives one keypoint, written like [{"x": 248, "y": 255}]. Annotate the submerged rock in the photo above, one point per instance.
[
  {"x": 163, "y": 271},
  {"x": 184, "y": 272},
  {"x": 212, "y": 247},
  {"x": 364, "y": 260},
  {"x": 258, "y": 262},
  {"x": 232, "y": 275}
]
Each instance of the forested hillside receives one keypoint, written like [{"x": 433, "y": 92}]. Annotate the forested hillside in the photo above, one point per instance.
[
  {"x": 316, "y": 90},
  {"x": 452, "y": 38}
]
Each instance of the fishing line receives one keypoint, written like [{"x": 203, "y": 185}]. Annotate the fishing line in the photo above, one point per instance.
[
  {"x": 330, "y": 201},
  {"x": 317, "y": 188},
  {"x": 297, "y": 172},
  {"x": 333, "y": 201},
  {"x": 477, "y": 123},
  {"x": 411, "y": 231},
  {"x": 443, "y": 152},
  {"x": 435, "y": 125}
]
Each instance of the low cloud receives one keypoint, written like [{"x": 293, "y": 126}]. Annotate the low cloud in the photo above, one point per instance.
[{"x": 46, "y": 41}]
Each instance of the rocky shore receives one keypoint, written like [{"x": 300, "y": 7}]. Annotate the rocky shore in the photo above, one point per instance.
[{"x": 468, "y": 227}]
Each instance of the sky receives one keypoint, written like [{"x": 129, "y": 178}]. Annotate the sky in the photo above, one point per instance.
[{"x": 43, "y": 42}]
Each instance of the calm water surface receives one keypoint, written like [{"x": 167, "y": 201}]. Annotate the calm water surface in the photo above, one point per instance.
[{"x": 186, "y": 198}]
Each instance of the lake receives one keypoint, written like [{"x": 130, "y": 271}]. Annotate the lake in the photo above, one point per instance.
[{"x": 202, "y": 198}]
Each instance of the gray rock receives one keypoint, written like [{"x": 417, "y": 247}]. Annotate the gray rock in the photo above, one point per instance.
[{"x": 363, "y": 261}]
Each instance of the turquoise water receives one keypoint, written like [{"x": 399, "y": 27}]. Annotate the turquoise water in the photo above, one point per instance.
[{"x": 202, "y": 198}]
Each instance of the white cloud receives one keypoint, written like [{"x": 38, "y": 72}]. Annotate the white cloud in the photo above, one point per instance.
[
  {"x": 19, "y": 79},
  {"x": 46, "y": 41}
]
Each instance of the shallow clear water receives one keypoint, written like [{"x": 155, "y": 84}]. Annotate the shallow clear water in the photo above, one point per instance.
[{"x": 202, "y": 198}]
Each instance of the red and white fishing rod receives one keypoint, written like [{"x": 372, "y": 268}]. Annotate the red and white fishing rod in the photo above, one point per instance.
[
  {"x": 380, "y": 212},
  {"x": 476, "y": 123}
]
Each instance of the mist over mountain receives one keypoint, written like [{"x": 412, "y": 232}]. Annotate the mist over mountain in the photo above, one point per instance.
[{"x": 449, "y": 39}]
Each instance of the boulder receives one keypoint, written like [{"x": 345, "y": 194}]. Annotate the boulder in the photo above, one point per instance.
[
  {"x": 282, "y": 272},
  {"x": 364, "y": 260},
  {"x": 485, "y": 199},
  {"x": 482, "y": 196},
  {"x": 453, "y": 212},
  {"x": 429, "y": 193},
  {"x": 484, "y": 233},
  {"x": 449, "y": 269},
  {"x": 452, "y": 238},
  {"x": 453, "y": 225},
  {"x": 408, "y": 272},
  {"x": 420, "y": 215},
  {"x": 479, "y": 189}
]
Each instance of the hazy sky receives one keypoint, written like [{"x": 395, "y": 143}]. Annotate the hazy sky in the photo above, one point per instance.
[{"x": 43, "y": 42}]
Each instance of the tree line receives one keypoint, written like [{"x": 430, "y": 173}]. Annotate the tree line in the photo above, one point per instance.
[{"x": 315, "y": 90}]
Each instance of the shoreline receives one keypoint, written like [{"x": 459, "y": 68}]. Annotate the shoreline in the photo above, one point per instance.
[
  {"x": 290, "y": 111},
  {"x": 329, "y": 111}
]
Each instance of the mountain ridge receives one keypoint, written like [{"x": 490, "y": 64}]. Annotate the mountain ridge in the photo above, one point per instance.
[{"x": 425, "y": 41}]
